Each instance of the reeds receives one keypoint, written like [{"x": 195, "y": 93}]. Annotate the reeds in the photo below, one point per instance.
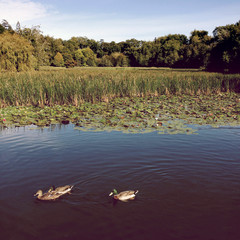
[{"x": 74, "y": 86}]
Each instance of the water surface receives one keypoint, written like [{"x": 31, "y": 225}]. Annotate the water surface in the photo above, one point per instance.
[{"x": 189, "y": 186}]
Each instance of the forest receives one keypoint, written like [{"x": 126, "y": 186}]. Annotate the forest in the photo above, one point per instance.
[{"x": 23, "y": 49}]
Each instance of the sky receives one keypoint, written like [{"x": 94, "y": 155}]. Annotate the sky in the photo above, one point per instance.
[{"x": 113, "y": 20}]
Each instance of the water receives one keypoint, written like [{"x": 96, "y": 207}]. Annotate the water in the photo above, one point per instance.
[{"x": 189, "y": 185}]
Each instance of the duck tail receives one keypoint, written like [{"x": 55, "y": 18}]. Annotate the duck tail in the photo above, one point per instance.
[{"x": 136, "y": 192}]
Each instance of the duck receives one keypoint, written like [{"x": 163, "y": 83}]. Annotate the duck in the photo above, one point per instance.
[
  {"x": 62, "y": 189},
  {"x": 125, "y": 195},
  {"x": 53, "y": 193}
]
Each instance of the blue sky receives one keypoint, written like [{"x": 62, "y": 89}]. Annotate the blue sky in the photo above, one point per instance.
[{"x": 113, "y": 20}]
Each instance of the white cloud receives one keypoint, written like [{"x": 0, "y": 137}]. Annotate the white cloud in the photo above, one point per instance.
[{"x": 21, "y": 10}]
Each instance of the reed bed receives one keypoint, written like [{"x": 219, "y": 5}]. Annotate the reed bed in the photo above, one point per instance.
[{"x": 78, "y": 85}]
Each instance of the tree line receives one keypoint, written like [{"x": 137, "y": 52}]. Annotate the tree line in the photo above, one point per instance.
[{"x": 22, "y": 49}]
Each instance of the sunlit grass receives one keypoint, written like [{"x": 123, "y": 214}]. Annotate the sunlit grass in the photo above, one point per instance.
[{"x": 78, "y": 85}]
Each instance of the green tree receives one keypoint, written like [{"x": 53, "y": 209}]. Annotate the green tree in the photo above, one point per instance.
[
  {"x": 106, "y": 61},
  {"x": 58, "y": 60},
  {"x": 145, "y": 54},
  {"x": 7, "y": 26},
  {"x": 72, "y": 44},
  {"x": 2, "y": 29},
  {"x": 55, "y": 46},
  {"x": 89, "y": 57},
  {"x": 79, "y": 57},
  {"x": 168, "y": 50},
  {"x": 225, "y": 54},
  {"x": 68, "y": 59},
  {"x": 39, "y": 42},
  {"x": 16, "y": 53},
  {"x": 119, "y": 59},
  {"x": 198, "y": 50},
  {"x": 130, "y": 49}
]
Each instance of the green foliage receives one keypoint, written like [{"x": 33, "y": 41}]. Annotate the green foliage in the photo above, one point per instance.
[
  {"x": 89, "y": 57},
  {"x": 2, "y": 29},
  {"x": 68, "y": 58},
  {"x": 225, "y": 54},
  {"x": 119, "y": 60},
  {"x": 164, "y": 114},
  {"x": 16, "y": 53},
  {"x": 198, "y": 50},
  {"x": 168, "y": 51},
  {"x": 7, "y": 26},
  {"x": 116, "y": 59},
  {"x": 106, "y": 61},
  {"x": 39, "y": 42},
  {"x": 85, "y": 57},
  {"x": 220, "y": 53},
  {"x": 79, "y": 57},
  {"x": 58, "y": 60}
]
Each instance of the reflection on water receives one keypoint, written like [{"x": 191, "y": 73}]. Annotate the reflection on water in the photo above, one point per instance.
[{"x": 188, "y": 184}]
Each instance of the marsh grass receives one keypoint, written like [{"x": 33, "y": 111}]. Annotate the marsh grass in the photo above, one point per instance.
[{"x": 75, "y": 86}]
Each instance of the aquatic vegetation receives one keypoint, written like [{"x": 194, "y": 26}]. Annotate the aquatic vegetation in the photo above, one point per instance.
[
  {"x": 166, "y": 114},
  {"x": 131, "y": 100},
  {"x": 80, "y": 85}
]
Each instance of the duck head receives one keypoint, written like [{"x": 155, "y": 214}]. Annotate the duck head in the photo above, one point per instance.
[
  {"x": 114, "y": 192},
  {"x": 38, "y": 193}
]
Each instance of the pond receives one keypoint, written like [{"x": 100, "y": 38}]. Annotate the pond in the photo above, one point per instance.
[{"x": 189, "y": 186}]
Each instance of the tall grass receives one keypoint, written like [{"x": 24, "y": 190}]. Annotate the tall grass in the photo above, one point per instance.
[{"x": 74, "y": 86}]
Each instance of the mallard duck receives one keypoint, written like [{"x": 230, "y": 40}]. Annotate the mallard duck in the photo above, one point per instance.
[
  {"x": 124, "y": 196},
  {"x": 62, "y": 189},
  {"x": 53, "y": 193}
]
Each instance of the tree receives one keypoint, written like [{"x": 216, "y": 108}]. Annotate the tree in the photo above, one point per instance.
[
  {"x": 58, "y": 60},
  {"x": 18, "y": 28},
  {"x": 130, "y": 49},
  {"x": 106, "y": 61},
  {"x": 72, "y": 44},
  {"x": 68, "y": 58},
  {"x": 145, "y": 54},
  {"x": 7, "y": 26},
  {"x": 2, "y": 29},
  {"x": 40, "y": 44},
  {"x": 198, "y": 50},
  {"x": 168, "y": 50},
  {"x": 225, "y": 54},
  {"x": 89, "y": 57},
  {"x": 79, "y": 57},
  {"x": 119, "y": 59},
  {"x": 16, "y": 53}
]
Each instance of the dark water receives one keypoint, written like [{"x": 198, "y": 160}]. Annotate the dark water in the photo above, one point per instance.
[{"x": 189, "y": 185}]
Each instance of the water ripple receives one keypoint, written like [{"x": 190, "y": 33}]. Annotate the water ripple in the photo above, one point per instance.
[{"x": 192, "y": 180}]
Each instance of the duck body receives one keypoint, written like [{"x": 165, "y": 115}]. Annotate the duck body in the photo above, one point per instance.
[
  {"x": 124, "y": 196},
  {"x": 53, "y": 193}
]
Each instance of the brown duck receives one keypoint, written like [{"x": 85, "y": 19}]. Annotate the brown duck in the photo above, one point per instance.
[{"x": 53, "y": 193}]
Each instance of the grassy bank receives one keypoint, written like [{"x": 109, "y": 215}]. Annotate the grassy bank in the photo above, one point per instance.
[{"x": 79, "y": 85}]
